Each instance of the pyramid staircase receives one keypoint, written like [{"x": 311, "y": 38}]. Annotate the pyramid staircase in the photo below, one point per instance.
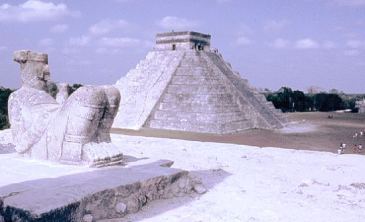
[
  {"x": 142, "y": 87},
  {"x": 274, "y": 117},
  {"x": 202, "y": 97},
  {"x": 197, "y": 100}
]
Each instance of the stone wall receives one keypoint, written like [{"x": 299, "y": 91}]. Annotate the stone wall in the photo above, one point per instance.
[{"x": 182, "y": 41}]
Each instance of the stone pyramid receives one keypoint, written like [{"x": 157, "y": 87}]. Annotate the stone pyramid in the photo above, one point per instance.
[{"x": 184, "y": 85}]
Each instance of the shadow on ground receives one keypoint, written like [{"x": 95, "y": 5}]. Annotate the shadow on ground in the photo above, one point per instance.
[{"x": 7, "y": 148}]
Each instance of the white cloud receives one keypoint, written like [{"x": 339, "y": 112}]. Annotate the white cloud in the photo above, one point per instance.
[
  {"x": 78, "y": 62},
  {"x": 275, "y": 25},
  {"x": 107, "y": 25},
  {"x": 329, "y": 45},
  {"x": 33, "y": 10},
  {"x": 109, "y": 51},
  {"x": 355, "y": 44},
  {"x": 123, "y": 1},
  {"x": 280, "y": 43},
  {"x": 60, "y": 28},
  {"x": 148, "y": 44},
  {"x": 120, "y": 42},
  {"x": 101, "y": 50},
  {"x": 351, "y": 3},
  {"x": 70, "y": 50},
  {"x": 222, "y": 1},
  {"x": 350, "y": 35},
  {"x": 242, "y": 41},
  {"x": 46, "y": 42},
  {"x": 351, "y": 52},
  {"x": 176, "y": 23},
  {"x": 245, "y": 30},
  {"x": 80, "y": 41},
  {"x": 306, "y": 43}
]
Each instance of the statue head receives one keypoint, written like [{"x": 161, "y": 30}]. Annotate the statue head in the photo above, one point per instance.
[{"x": 33, "y": 68}]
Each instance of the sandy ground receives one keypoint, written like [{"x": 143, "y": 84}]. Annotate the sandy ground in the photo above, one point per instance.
[
  {"x": 245, "y": 183},
  {"x": 252, "y": 184},
  {"x": 6, "y": 145},
  {"x": 310, "y": 131}
]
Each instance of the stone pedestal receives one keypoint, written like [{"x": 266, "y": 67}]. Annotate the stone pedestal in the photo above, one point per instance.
[{"x": 89, "y": 196}]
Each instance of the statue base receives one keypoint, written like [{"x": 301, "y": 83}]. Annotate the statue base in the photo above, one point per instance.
[{"x": 93, "y": 195}]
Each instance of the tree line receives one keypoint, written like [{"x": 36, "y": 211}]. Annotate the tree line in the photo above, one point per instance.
[
  {"x": 4, "y": 96},
  {"x": 289, "y": 100}
]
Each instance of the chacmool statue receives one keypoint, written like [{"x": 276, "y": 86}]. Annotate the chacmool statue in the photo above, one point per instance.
[{"x": 74, "y": 131}]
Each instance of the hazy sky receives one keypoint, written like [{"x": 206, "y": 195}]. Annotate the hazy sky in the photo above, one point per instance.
[{"x": 272, "y": 43}]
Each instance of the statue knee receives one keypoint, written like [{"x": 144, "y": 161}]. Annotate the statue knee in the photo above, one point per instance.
[
  {"x": 112, "y": 95},
  {"x": 89, "y": 96},
  {"x": 85, "y": 109}
]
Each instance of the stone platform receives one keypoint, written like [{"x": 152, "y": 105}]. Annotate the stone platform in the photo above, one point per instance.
[{"x": 92, "y": 195}]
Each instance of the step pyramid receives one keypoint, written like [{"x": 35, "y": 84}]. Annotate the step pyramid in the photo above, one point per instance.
[{"x": 184, "y": 85}]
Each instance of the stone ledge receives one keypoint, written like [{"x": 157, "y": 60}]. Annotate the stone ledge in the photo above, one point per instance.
[{"x": 101, "y": 194}]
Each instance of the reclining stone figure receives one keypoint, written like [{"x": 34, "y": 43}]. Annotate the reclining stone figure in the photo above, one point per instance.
[{"x": 74, "y": 131}]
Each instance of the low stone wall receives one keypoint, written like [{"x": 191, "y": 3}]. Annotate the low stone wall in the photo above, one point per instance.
[{"x": 101, "y": 194}]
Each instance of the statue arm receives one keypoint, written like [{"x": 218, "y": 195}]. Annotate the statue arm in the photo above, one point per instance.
[
  {"x": 18, "y": 129},
  {"x": 28, "y": 123}
]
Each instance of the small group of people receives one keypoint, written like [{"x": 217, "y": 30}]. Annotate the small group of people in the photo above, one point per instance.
[{"x": 356, "y": 146}]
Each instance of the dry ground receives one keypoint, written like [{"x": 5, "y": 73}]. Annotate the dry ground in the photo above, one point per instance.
[{"x": 313, "y": 131}]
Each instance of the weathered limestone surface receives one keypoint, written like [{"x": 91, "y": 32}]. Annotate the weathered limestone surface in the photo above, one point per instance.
[
  {"x": 199, "y": 93},
  {"x": 142, "y": 87},
  {"x": 182, "y": 41},
  {"x": 262, "y": 112},
  {"x": 73, "y": 130},
  {"x": 63, "y": 92},
  {"x": 101, "y": 194}
]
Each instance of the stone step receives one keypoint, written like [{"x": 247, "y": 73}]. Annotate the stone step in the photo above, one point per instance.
[
  {"x": 198, "y": 107},
  {"x": 198, "y": 89},
  {"x": 191, "y": 63},
  {"x": 255, "y": 98},
  {"x": 92, "y": 196},
  {"x": 188, "y": 68},
  {"x": 185, "y": 126},
  {"x": 231, "y": 127},
  {"x": 194, "y": 79},
  {"x": 198, "y": 73},
  {"x": 236, "y": 126},
  {"x": 199, "y": 117},
  {"x": 271, "y": 118},
  {"x": 142, "y": 87},
  {"x": 188, "y": 71},
  {"x": 260, "y": 97},
  {"x": 272, "y": 108},
  {"x": 223, "y": 98}
]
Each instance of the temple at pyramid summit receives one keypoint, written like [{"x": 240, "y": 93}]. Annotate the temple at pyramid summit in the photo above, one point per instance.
[{"x": 184, "y": 85}]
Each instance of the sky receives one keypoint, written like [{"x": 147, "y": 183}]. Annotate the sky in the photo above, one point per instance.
[{"x": 272, "y": 43}]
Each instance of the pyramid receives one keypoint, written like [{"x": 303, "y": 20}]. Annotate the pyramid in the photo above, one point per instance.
[{"x": 184, "y": 85}]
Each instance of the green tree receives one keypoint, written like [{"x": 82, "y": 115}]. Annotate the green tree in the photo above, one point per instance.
[
  {"x": 291, "y": 101},
  {"x": 328, "y": 102},
  {"x": 4, "y": 96},
  {"x": 74, "y": 87}
]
